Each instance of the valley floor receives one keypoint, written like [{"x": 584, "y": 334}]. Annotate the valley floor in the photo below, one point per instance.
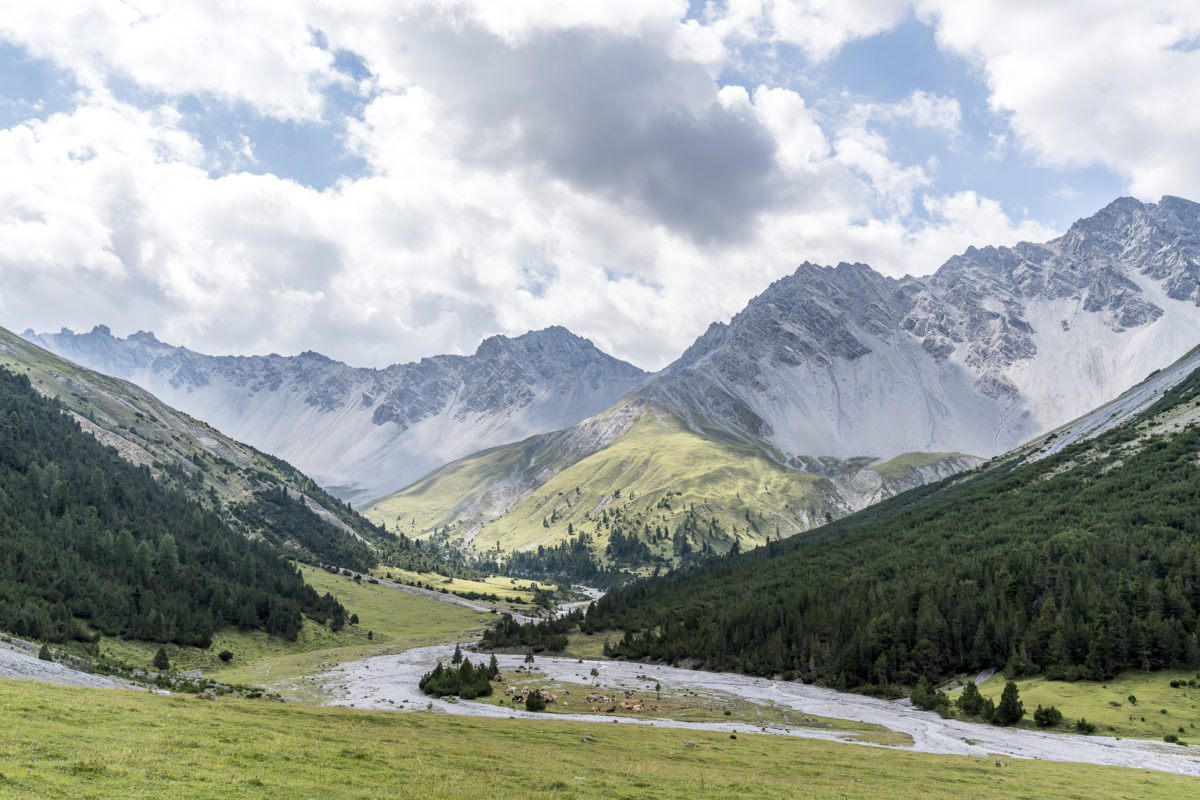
[{"x": 390, "y": 682}]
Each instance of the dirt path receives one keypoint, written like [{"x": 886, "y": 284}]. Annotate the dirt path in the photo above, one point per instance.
[{"x": 390, "y": 682}]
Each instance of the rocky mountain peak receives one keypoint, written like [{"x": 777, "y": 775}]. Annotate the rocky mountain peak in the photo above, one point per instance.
[{"x": 369, "y": 431}]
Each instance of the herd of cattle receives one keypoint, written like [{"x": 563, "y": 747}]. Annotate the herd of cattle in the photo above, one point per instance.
[{"x": 594, "y": 702}]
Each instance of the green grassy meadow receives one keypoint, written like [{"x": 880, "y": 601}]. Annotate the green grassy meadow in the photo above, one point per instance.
[
  {"x": 1106, "y": 704},
  {"x": 87, "y": 743}
]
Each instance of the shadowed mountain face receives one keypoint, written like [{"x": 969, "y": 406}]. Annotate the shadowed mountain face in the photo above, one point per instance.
[{"x": 364, "y": 432}]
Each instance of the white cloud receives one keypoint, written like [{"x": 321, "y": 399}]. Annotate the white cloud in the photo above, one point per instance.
[
  {"x": 819, "y": 27},
  {"x": 926, "y": 110},
  {"x": 1090, "y": 83},
  {"x": 263, "y": 54},
  {"x": 559, "y": 164}
]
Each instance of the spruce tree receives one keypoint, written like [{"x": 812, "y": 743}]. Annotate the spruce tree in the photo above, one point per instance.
[
  {"x": 970, "y": 701},
  {"x": 1010, "y": 709},
  {"x": 458, "y": 656},
  {"x": 161, "y": 662}
]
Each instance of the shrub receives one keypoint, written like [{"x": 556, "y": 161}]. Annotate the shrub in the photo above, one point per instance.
[
  {"x": 1083, "y": 726},
  {"x": 225, "y": 655},
  {"x": 44, "y": 654},
  {"x": 534, "y": 701},
  {"x": 1047, "y": 717},
  {"x": 926, "y": 697}
]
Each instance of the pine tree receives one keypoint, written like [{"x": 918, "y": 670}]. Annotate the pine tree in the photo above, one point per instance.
[
  {"x": 970, "y": 701},
  {"x": 458, "y": 656},
  {"x": 161, "y": 662},
  {"x": 1011, "y": 709}
]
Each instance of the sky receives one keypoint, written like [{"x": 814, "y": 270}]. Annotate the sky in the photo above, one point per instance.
[{"x": 384, "y": 181}]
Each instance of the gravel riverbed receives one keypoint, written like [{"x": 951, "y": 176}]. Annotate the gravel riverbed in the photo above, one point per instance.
[{"x": 390, "y": 682}]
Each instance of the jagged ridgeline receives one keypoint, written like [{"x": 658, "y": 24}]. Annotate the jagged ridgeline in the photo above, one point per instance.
[
  {"x": 1080, "y": 565},
  {"x": 91, "y": 544}
]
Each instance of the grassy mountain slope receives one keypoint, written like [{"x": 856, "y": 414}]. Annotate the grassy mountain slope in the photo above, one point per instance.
[
  {"x": 638, "y": 472},
  {"x": 255, "y": 493},
  {"x": 1081, "y": 564}
]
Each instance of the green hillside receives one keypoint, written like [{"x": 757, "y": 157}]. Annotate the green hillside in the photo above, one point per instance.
[
  {"x": 656, "y": 494},
  {"x": 1081, "y": 565}
]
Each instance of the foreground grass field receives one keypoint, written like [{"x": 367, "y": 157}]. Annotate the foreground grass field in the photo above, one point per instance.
[
  {"x": 1158, "y": 708},
  {"x": 86, "y": 743}
]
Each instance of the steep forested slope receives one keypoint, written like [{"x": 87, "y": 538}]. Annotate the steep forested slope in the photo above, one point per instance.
[
  {"x": 257, "y": 494},
  {"x": 90, "y": 544},
  {"x": 1082, "y": 564}
]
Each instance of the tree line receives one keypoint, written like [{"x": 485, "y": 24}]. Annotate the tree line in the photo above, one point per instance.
[{"x": 91, "y": 544}]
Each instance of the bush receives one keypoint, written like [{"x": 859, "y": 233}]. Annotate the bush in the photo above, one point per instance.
[
  {"x": 970, "y": 701},
  {"x": 927, "y": 698},
  {"x": 1170, "y": 738},
  {"x": 1083, "y": 726},
  {"x": 534, "y": 701},
  {"x": 1047, "y": 717},
  {"x": 225, "y": 655}
]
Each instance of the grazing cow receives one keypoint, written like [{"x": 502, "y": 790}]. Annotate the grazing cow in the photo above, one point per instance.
[{"x": 518, "y": 699}]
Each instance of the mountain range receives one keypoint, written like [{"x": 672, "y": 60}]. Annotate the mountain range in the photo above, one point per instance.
[
  {"x": 834, "y": 388},
  {"x": 838, "y": 387},
  {"x": 364, "y": 432}
]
